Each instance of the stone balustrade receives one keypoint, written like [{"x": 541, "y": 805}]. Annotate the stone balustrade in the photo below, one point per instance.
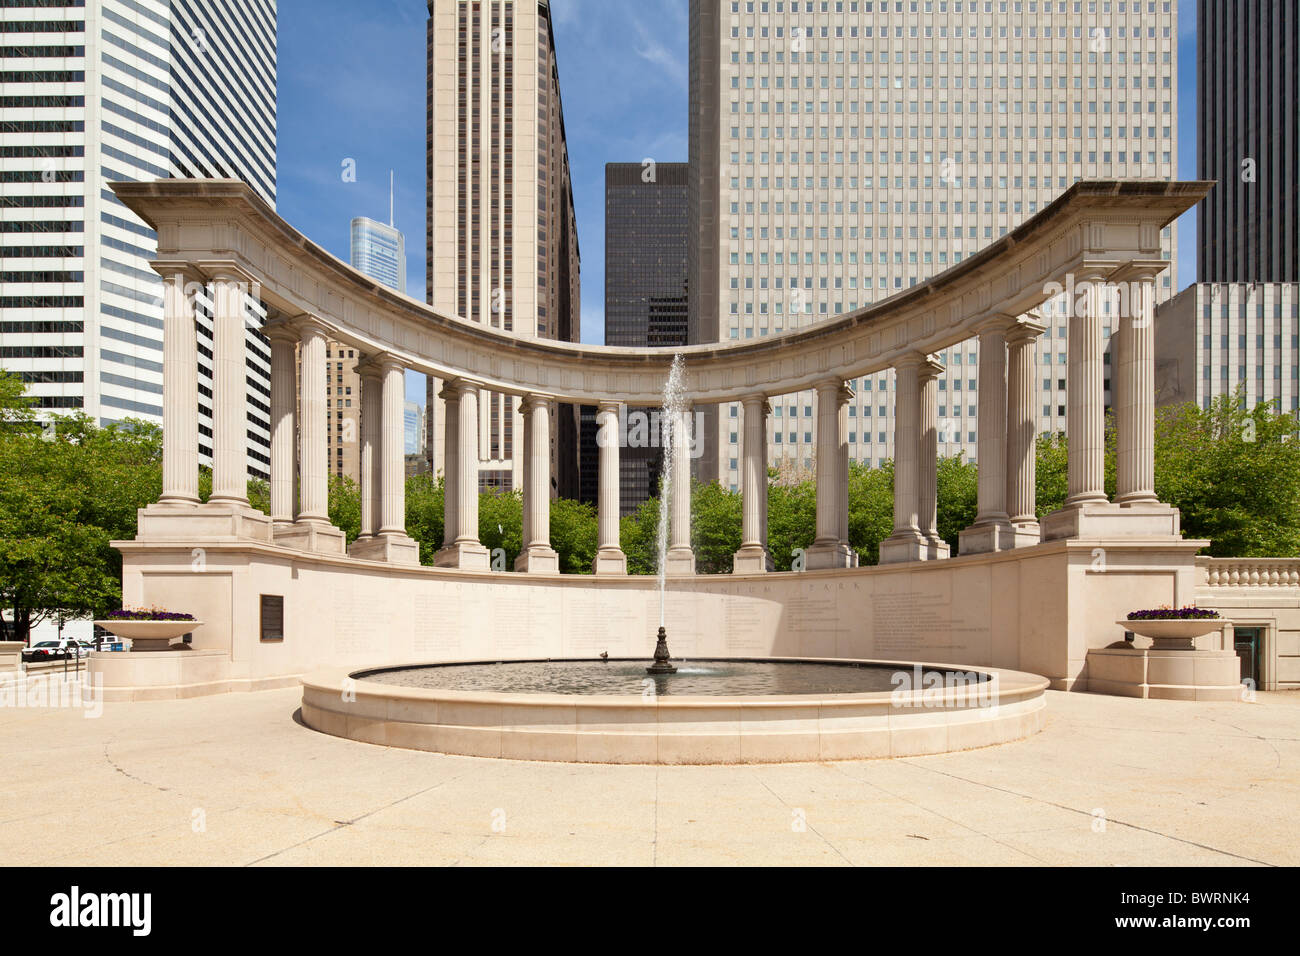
[{"x": 1248, "y": 572}]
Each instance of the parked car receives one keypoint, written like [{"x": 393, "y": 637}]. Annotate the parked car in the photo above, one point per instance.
[{"x": 56, "y": 650}]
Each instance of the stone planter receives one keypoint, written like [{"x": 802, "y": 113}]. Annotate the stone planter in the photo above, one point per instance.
[
  {"x": 1174, "y": 634},
  {"x": 151, "y": 635}
]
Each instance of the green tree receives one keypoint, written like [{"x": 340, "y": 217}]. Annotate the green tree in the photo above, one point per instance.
[
  {"x": 715, "y": 527},
  {"x": 574, "y": 534},
  {"x": 871, "y": 508},
  {"x": 345, "y": 505},
  {"x": 638, "y": 534},
  {"x": 791, "y": 520},
  {"x": 424, "y": 514}
]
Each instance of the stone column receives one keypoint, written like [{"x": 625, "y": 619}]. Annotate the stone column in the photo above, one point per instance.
[
  {"x": 753, "y": 556},
  {"x": 450, "y": 469},
  {"x": 371, "y": 439},
  {"x": 1022, "y": 434},
  {"x": 907, "y": 542},
  {"x": 392, "y": 444},
  {"x": 180, "y": 396},
  {"x": 850, "y": 556},
  {"x": 927, "y": 463},
  {"x": 1134, "y": 389},
  {"x": 465, "y": 550},
  {"x": 284, "y": 425},
  {"x": 610, "y": 558},
  {"x": 229, "y": 394},
  {"x": 1085, "y": 418},
  {"x": 825, "y": 551},
  {"x": 680, "y": 559},
  {"x": 992, "y": 529},
  {"x": 537, "y": 555},
  {"x": 313, "y": 470}
]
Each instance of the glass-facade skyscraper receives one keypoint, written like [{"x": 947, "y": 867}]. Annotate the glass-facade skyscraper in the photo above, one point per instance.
[{"x": 379, "y": 251}]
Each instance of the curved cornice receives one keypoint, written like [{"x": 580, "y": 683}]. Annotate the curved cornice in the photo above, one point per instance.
[{"x": 219, "y": 225}]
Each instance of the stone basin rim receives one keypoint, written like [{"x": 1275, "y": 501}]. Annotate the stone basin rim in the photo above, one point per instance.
[{"x": 1007, "y": 685}]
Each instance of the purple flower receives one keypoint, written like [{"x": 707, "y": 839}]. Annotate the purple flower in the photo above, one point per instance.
[
  {"x": 147, "y": 614},
  {"x": 1190, "y": 613}
]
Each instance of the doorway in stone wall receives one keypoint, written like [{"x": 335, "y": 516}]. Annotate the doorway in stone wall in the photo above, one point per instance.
[{"x": 1249, "y": 644}]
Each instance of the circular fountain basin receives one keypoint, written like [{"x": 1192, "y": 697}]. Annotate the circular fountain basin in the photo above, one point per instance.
[{"x": 780, "y": 713}]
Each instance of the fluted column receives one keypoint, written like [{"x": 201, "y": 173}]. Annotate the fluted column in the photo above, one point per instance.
[
  {"x": 372, "y": 419},
  {"x": 906, "y": 543},
  {"x": 680, "y": 559},
  {"x": 992, "y": 530},
  {"x": 1134, "y": 382},
  {"x": 1085, "y": 418},
  {"x": 229, "y": 393},
  {"x": 450, "y": 469},
  {"x": 753, "y": 556},
  {"x": 1022, "y": 433},
  {"x": 180, "y": 396},
  {"x": 284, "y": 424},
  {"x": 313, "y": 493},
  {"x": 537, "y": 555},
  {"x": 927, "y": 462},
  {"x": 825, "y": 551},
  {"x": 610, "y": 558},
  {"x": 392, "y": 458},
  {"x": 842, "y": 480},
  {"x": 465, "y": 549}
]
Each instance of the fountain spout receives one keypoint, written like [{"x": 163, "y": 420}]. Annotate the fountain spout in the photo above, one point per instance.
[{"x": 661, "y": 664}]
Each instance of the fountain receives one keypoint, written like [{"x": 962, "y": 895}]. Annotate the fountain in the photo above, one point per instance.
[{"x": 672, "y": 429}]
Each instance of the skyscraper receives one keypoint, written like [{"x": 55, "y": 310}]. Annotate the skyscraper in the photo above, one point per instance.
[
  {"x": 842, "y": 152},
  {"x": 646, "y": 232},
  {"x": 502, "y": 242},
  {"x": 1248, "y": 120},
  {"x": 122, "y": 90},
  {"x": 1239, "y": 325},
  {"x": 378, "y": 250}
]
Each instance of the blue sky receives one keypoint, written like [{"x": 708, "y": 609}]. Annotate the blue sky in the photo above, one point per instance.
[{"x": 352, "y": 87}]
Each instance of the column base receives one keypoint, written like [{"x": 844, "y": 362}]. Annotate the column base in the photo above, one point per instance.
[
  {"x": 903, "y": 546},
  {"x": 936, "y": 549},
  {"x": 827, "y": 554},
  {"x": 208, "y": 522},
  {"x": 752, "y": 560},
  {"x": 311, "y": 536},
  {"x": 1156, "y": 673},
  {"x": 1103, "y": 519},
  {"x": 680, "y": 561},
  {"x": 466, "y": 555},
  {"x": 393, "y": 548},
  {"x": 987, "y": 538},
  {"x": 1026, "y": 534},
  {"x": 609, "y": 561},
  {"x": 538, "y": 561}
]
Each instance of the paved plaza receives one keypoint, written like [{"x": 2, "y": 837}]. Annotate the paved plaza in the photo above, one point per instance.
[{"x": 236, "y": 779}]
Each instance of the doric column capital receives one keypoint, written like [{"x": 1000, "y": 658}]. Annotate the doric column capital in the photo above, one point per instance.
[
  {"x": 281, "y": 330},
  {"x": 910, "y": 360},
  {"x": 226, "y": 270},
  {"x": 1139, "y": 270},
  {"x": 172, "y": 269},
  {"x": 828, "y": 385},
  {"x": 463, "y": 386},
  {"x": 1024, "y": 332},
  {"x": 532, "y": 400},
  {"x": 369, "y": 368},
  {"x": 308, "y": 325},
  {"x": 930, "y": 369},
  {"x": 608, "y": 405},
  {"x": 995, "y": 323},
  {"x": 757, "y": 402}
]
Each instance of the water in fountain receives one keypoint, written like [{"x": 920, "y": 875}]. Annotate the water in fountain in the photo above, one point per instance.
[{"x": 672, "y": 431}]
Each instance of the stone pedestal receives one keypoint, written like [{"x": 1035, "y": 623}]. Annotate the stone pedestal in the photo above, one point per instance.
[
  {"x": 11, "y": 656},
  {"x": 221, "y": 521},
  {"x": 467, "y": 555},
  {"x": 1097, "y": 519},
  {"x": 986, "y": 538},
  {"x": 311, "y": 536},
  {"x": 1164, "y": 674},
  {"x": 538, "y": 560},
  {"x": 679, "y": 561},
  {"x": 393, "y": 548},
  {"x": 609, "y": 561},
  {"x": 830, "y": 555},
  {"x": 752, "y": 560},
  {"x": 903, "y": 546}
]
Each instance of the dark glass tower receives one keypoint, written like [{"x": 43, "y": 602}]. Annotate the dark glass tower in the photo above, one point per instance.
[{"x": 1248, "y": 114}]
